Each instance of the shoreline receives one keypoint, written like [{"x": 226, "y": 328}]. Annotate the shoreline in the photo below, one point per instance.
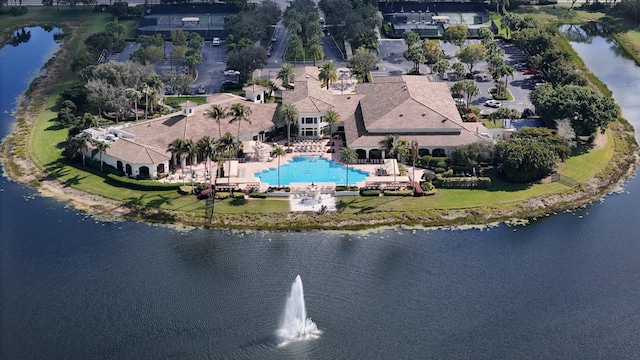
[{"x": 25, "y": 170}]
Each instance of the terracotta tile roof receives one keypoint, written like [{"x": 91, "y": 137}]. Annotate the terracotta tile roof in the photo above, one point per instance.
[
  {"x": 153, "y": 137},
  {"x": 309, "y": 96},
  {"x": 411, "y": 107},
  {"x": 132, "y": 152}
]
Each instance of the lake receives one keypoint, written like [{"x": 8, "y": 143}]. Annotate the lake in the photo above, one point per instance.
[{"x": 73, "y": 287}]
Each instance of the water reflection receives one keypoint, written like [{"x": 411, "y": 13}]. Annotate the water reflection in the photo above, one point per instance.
[{"x": 21, "y": 36}]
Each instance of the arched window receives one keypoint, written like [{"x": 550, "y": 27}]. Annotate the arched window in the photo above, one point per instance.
[
  {"x": 375, "y": 154},
  {"x": 128, "y": 170},
  {"x": 119, "y": 165},
  {"x": 160, "y": 169},
  {"x": 423, "y": 152},
  {"x": 439, "y": 152},
  {"x": 362, "y": 154},
  {"x": 144, "y": 171}
]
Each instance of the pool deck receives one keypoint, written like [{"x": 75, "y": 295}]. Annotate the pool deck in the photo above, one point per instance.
[{"x": 251, "y": 167}]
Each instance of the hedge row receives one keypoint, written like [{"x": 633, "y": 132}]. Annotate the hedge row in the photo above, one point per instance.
[
  {"x": 463, "y": 183},
  {"x": 398, "y": 193},
  {"x": 258, "y": 195},
  {"x": 143, "y": 185},
  {"x": 373, "y": 192},
  {"x": 221, "y": 195}
]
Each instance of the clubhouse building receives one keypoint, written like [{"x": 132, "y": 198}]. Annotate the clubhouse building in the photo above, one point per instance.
[{"x": 410, "y": 107}]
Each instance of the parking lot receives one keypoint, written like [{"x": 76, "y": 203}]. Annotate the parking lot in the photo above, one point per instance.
[
  {"x": 210, "y": 72},
  {"x": 393, "y": 63}
]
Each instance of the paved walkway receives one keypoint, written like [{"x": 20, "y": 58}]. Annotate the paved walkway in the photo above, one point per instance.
[{"x": 249, "y": 168}]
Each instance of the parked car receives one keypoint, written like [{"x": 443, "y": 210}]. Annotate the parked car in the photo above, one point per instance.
[
  {"x": 532, "y": 72},
  {"x": 201, "y": 89},
  {"x": 484, "y": 77},
  {"x": 274, "y": 38},
  {"x": 230, "y": 82},
  {"x": 493, "y": 103},
  {"x": 460, "y": 102},
  {"x": 231, "y": 73},
  {"x": 215, "y": 41}
]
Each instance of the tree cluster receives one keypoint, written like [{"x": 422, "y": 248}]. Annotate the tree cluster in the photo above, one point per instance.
[
  {"x": 585, "y": 109},
  {"x": 252, "y": 25},
  {"x": 301, "y": 18},
  {"x": 353, "y": 20}
]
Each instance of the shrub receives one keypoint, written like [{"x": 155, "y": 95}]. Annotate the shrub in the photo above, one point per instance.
[
  {"x": 439, "y": 170},
  {"x": 258, "y": 195},
  {"x": 221, "y": 195},
  {"x": 184, "y": 190},
  {"x": 448, "y": 173},
  {"x": 371, "y": 192},
  {"x": 428, "y": 176},
  {"x": 441, "y": 164},
  {"x": 346, "y": 188},
  {"x": 424, "y": 160},
  {"x": 398, "y": 193},
  {"x": 426, "y": 186},
  {"x": 464, "y": 183}
]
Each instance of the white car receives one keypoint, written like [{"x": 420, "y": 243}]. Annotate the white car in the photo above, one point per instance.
[
  {"x": 231, "y": 73},
  {"x": 274, "y": 38},
  {"x": 492, "y": 103},
  {"x": 215, "y": 41}
]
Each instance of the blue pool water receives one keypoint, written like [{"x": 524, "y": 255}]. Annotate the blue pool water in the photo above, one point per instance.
[{"x": 311, "y": 169}]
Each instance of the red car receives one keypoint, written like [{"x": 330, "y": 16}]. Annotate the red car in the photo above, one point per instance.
[{"x": 532, "y": 72}]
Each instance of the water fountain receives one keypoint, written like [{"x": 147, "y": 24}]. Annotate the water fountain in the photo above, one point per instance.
[{"x": 295, "y": 325}]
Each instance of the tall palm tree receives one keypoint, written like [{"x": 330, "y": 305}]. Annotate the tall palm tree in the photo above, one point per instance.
[
  {"x": 207, "y": 148},
  {"x": 84, "y": 145},
  {"x": 278, "y": 153},
  {"x": 286, "y": 74},
  {"x": 331, "y": 118},
  {"x": 217, "y": 113},
  {"x": 155, "y": 85},
  {"x": 296, "y": 46},
  {"x": 135, "y": 95},
  {"x": 190, "y": 150},
  {"x": 348, "y": 156},
  {"x": 176, "y": 148},
  {"x": 101, "y": 148},
  {"x": 288, "y": 114},
  {"x": 315, "y": 50},
  {"x": 504, "y": 71},
  {"x": 227, "y": 144},
  {"x": 239, "y": 113},
  {"x": 393, "y": 147},
  {"x": 414, "y": 157},
  {"x": 328, "y": 73}
]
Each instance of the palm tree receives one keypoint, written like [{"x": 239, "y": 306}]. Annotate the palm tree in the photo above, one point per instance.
[
  {"x": 414, "y": 156},
  {"x": 316, "y": 52},
  {"x": 331, "y": 118},
  {"x": 176, "y": 148},
  {"x": 286, "y": 74},
  {"x": 503, "y": 71},
  {"x": 207, "y": 148},
  {"x": 288, "y": 114},
  {"x": 226, "y": 144},
  {"x": 328, "y": 73},
  {"x": 394, "y": 146},
  {"x": 156, "y": 85},
  {"x": 217, "y": 113},
  {"x": 278, "y": 152},
  {"x": 101, "y": 148},
  {"x": 297, "y": 47},
  {"x": 135, "y": 95},
  {"x": 348, "y": 156},
  {"x": 239, "y": 113},
  {"x": 84, "y": 145}
]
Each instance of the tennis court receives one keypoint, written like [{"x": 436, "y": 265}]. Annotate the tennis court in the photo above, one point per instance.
[{"x": 208, "y": 22}]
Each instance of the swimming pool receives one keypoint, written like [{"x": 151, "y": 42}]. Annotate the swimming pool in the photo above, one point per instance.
[{"x": 310, "y": 169}]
